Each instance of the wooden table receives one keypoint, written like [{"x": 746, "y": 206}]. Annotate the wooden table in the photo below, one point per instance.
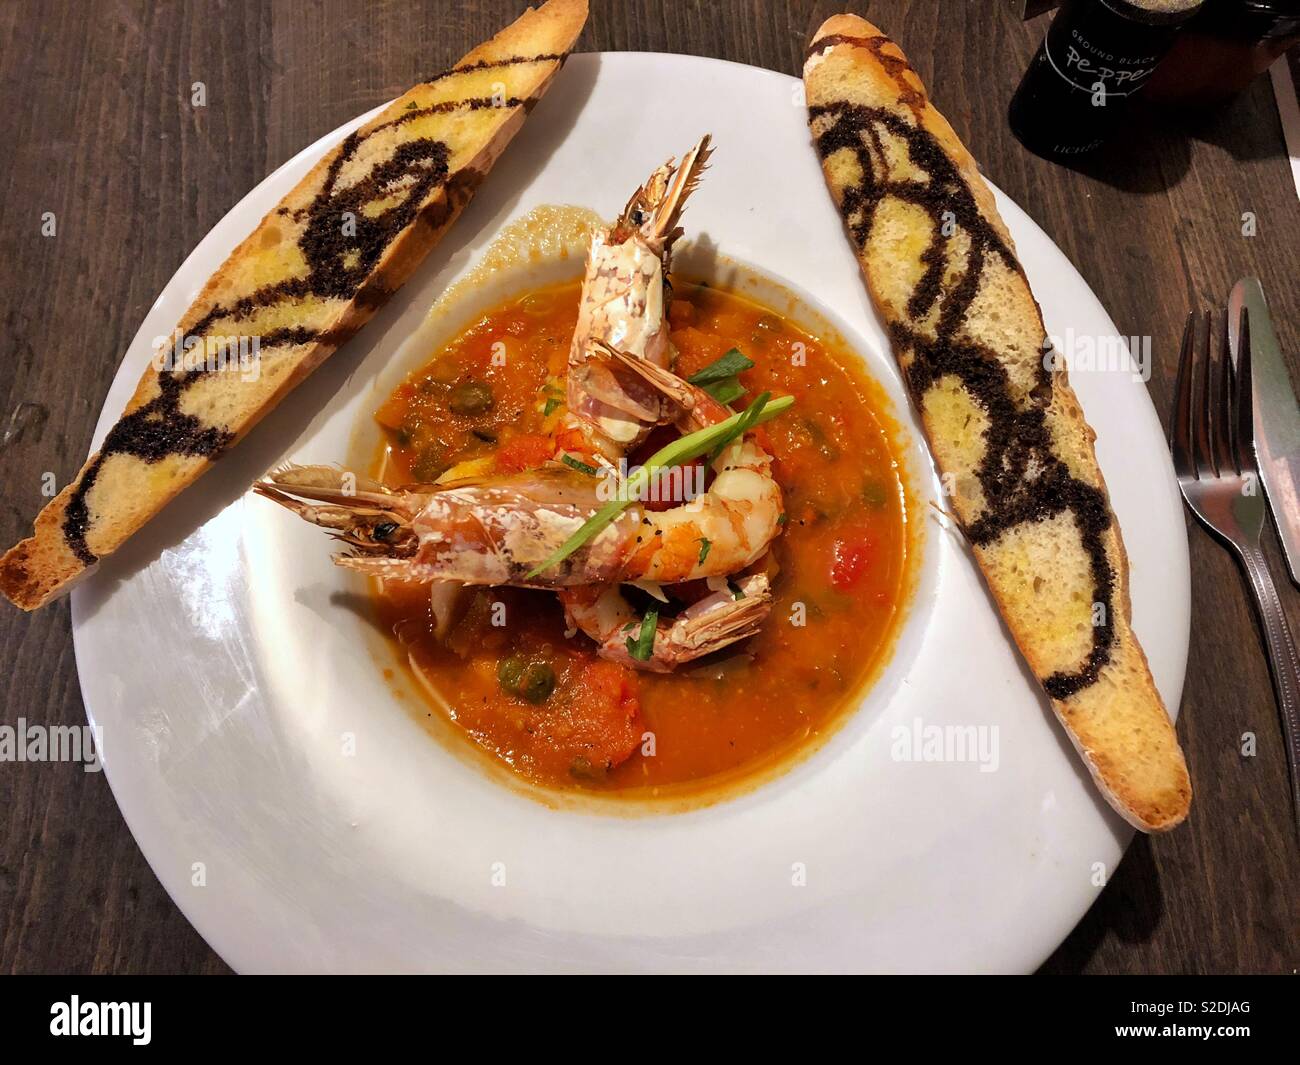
[{"x": 98, "y": 127}]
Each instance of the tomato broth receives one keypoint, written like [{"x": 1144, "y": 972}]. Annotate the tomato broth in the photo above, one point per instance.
[{"x": 540, "y": 700}]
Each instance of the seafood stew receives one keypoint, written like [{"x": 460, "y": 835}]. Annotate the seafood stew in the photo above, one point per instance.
[
  {"x": 547, "y": 705},
  {"x": 631, "y": 538}
]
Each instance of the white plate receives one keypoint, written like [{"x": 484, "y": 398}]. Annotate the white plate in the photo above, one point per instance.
[{"x": 218, "y": 654}]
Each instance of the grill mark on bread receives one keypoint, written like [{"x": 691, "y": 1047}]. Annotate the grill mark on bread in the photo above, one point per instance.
[
  {"x": 1022, "y": 477},
  {"x": 159, "y": 429}
]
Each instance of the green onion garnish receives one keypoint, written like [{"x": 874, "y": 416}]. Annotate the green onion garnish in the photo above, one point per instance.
[
  {"x": 711, "y": 439},
  {"x": 725, "y": 392},
  {"x": 745, "y": 421},
  {"x": 551, "y": 404},
  {"x": 719, "y": 378},
  {"x": 705, "y": 544},
  {"x": 643, "y": 646},
  {"x": 579, "y": 465},
  {"x": 730, "y": 364}
]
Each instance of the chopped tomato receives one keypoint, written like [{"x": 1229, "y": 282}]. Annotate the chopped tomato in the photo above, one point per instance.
[
  {"x": 681, "y": 313},
  {"x": 573, "y": 442},
  {"x": 696, "y": 350},
  {"x": 526, "y": 451},
  {"x": 851, "y": 558},
  {"x": 599, "y": 719}
]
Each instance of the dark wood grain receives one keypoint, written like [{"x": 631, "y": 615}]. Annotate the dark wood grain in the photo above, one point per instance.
[{"x": 98, "y": 128}]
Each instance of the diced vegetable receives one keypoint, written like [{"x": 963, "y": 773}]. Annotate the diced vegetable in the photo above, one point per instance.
[
  {"x": 474, "y": 630},
  {"x": 695, "y": 349},
  {"x": 471, "y": 397},
  {"x": 393, "y": 412},
  {"x": 681, "y": 313},
  {"x": 851, "y": 558},
  {"x": 429, "y": 464},
  {"x": 875, "y": 494},
  {"x": 526, "y": 451}
]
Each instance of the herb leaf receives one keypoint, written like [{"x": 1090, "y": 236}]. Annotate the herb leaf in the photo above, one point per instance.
[
  {"x": 688, "y": 447},
  {"x": 643, "y": 646},
  {"x": 705, "y": 544}
]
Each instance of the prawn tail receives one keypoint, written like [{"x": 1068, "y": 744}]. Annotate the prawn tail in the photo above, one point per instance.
[{"x": 715, "y": 622}]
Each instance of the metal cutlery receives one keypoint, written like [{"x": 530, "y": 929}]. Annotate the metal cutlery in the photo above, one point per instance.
[{"x": 1212, "y": 437}]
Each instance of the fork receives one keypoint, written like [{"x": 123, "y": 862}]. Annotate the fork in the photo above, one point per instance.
[{"x": 1213, "y": 443}]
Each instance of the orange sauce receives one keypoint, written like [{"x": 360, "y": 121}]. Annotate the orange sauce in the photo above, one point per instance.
[{"x": 494, "y": 394}]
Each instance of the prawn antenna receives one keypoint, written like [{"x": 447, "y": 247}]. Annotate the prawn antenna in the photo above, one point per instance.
[{"x": 684, "y": 182}]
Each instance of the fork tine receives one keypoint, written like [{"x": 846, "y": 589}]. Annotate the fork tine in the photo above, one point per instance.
[
  {"x": 1244, "y": 412},
  {"x": 1203, "y": 403},
  {"x": 1220, "y": 404},
  {"x": 1180, "y": 426}
]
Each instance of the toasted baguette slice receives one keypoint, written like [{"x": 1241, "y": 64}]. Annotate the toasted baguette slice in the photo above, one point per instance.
[
  {"x": 1004, "y": 426},
  {"x": 312, "y": 273}
]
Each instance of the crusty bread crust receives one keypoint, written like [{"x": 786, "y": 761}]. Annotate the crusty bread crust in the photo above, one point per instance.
[
  {"x": 1006, "y": 430},
  {"x": 288, "y": 285}
]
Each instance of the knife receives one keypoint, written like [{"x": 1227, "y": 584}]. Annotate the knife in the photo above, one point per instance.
[{"x": 1277, "y": 415}]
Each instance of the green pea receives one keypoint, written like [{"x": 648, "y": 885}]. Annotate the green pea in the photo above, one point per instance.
[
  {"x": 509, "y": 671},
  {"x": 537, "y": 682}
]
